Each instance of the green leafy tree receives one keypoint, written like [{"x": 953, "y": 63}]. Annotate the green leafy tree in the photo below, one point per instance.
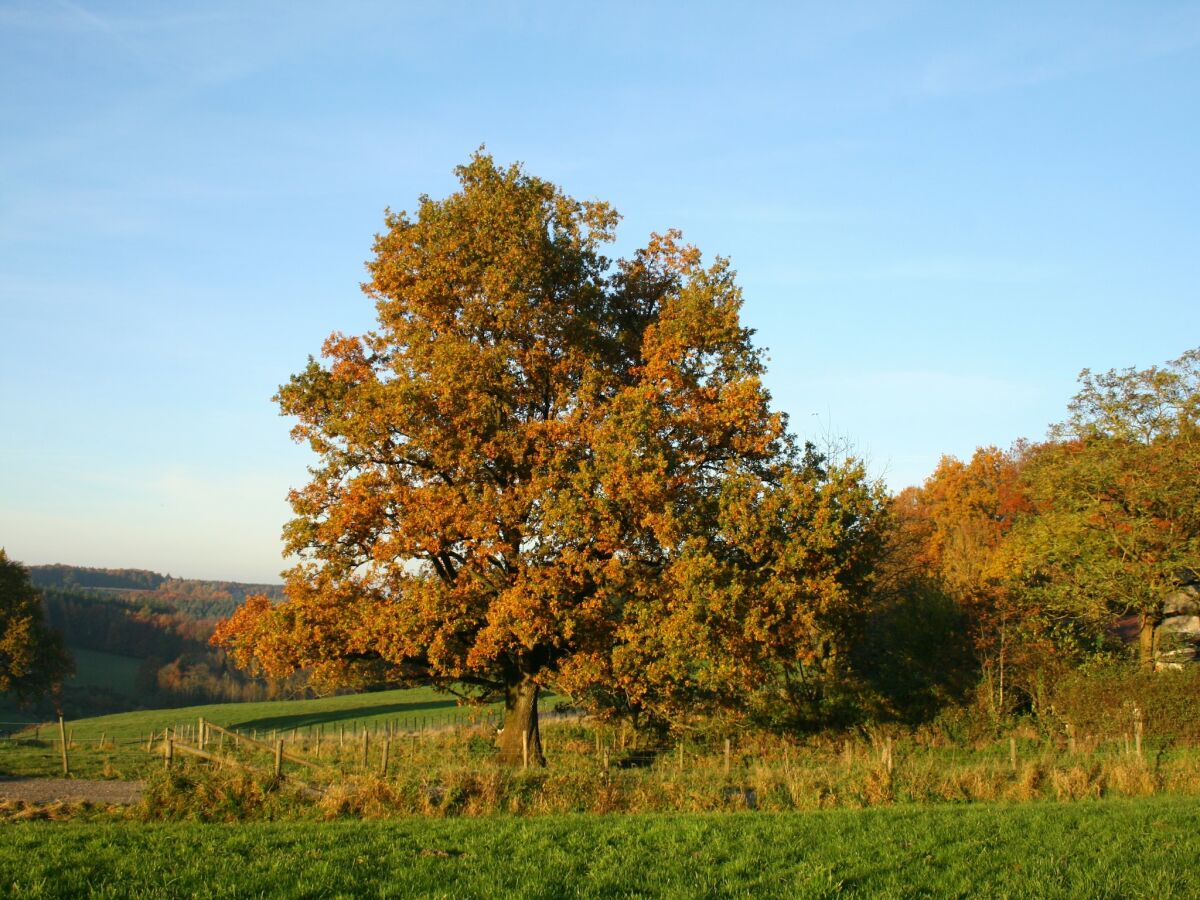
[
  {"x": 1117, "y": 502},
  {"x": 546, "y": 468},
  {"x": 33, "y": 661}
]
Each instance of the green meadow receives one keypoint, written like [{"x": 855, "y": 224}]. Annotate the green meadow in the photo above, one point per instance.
[
  {"x": 409, "y": 709},
  {"x": 113, "y": 746},
  {"x": 1097, "y": 849},
  {"x": 104, "y": 670}
]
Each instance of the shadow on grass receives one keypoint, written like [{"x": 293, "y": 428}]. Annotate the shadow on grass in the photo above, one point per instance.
[
  {"x": 431, "y": 711},
  {"x": 435, "y": 712}
]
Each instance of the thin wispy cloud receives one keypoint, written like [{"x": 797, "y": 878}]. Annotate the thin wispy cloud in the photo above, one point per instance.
[
  {"x": 1059, "y": 50},
  {"x": 926, "y": 269},
  {"x": 187, "y": 49},
  {"x": 103, "y": 214},
  {"x": 951, "y": 269}
]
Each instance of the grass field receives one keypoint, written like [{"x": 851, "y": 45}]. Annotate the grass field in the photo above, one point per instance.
[
  {"x": 1108, "y": 848},
  {"x": 104, "y": 670},
  {"x": 124, "y": 734},
  {"x": 593, "y": 767},
  {"x": 409, "y": 708},
  {"x": 93, "y": 669}
]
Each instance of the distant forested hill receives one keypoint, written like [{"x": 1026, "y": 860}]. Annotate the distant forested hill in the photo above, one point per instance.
[
  {"x": 61, "y": 576},
  {"x": 160, "y": 622},
  {"x": 190, "y": 596}
]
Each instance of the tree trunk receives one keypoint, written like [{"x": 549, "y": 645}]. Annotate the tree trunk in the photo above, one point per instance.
[
  {"x": 521, "y": 718},
  {"x": 1147, "y": 640}
]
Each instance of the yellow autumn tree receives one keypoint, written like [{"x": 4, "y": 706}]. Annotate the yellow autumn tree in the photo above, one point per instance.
[{"x": 543, "y": 467}]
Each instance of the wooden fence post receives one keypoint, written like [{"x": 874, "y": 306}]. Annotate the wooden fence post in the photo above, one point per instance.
[
  {"x": 365, "y": 751},
  {"x": 168, "y": 751},
  {"x": 524, "y": 749},
  {"x": 387, "y": 747},
  {"x": 279, "y": 757},
  {"x": 1012, "y": 752},
  {"x": 62, "y": 737},
  {"x": 887, "y": 751}
]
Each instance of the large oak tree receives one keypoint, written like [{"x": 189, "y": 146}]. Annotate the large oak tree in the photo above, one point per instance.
[{"x": 545, "y": 467}]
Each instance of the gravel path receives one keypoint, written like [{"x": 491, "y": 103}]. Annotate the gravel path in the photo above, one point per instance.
[{"x": 50, "y": 790}]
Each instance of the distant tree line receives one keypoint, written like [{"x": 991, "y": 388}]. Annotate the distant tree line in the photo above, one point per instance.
[
  {"x": 1004, "y": 572},
  {"x": 164, "y": 622},
  {"x": 62, "y": 576}
]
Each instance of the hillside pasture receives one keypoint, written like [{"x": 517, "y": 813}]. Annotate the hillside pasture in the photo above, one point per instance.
[
  {"x": 114, "y": 746},
  {"x": 411, "y": 709},
  {"x": 108, "y": 671}
]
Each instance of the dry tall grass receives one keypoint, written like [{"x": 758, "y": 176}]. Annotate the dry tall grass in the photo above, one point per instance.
[{"x": 451, "y": 774}]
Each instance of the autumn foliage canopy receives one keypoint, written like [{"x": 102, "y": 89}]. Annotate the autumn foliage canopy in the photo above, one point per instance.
[{"x": 543, "y": 467}]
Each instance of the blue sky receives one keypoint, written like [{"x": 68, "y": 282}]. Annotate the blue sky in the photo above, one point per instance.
[{"x": 940, "y": 213}]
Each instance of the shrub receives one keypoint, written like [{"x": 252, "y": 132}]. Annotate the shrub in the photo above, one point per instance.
[{"x": 1102, "y": 702}]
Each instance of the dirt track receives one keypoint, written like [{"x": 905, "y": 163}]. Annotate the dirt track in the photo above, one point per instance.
[{"x": 73, "y": 790}]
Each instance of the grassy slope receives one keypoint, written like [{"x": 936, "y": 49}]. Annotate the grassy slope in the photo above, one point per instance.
[
  {"x": 415, "y": 706},
  {"x": 104, "y": 670},
  {"x": 92, "y": 669},
  {"x": 125, "y": 734},
  {"x": 1110, "y": 848}
]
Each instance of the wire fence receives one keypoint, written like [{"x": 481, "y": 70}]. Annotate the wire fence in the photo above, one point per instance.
[
  {"x": 468, "y": 739},
  {"x": 448, "y": 765}
]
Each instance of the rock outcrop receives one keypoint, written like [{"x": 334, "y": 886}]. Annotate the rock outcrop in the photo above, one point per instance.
[{"x": 1177, "y": 638}]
